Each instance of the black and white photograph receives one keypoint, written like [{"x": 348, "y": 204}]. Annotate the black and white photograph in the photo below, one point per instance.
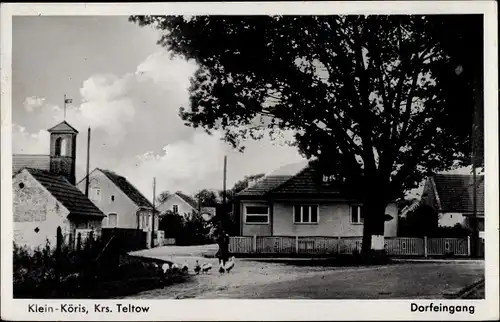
[{"x": 249, "y": 152}]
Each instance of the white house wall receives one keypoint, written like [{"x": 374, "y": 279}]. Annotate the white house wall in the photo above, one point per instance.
[
  {"x": 183, "y": 207},
  {"x": 334, "y": 220},
  {"x": 34, "y": 207},
  {"x": 125, "y": 208},
  {"x": 451, "y": 219}
]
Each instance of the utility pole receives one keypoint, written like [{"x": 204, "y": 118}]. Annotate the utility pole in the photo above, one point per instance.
[
  {"x": 475, "y": 226},
  {"x": 87, "y": 179},
  {"x": 153, "y": 215},
  {"x": 224, "y": 210}
]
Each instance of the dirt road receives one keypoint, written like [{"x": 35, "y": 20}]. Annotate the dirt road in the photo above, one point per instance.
[{"x": 264, "y": 280}]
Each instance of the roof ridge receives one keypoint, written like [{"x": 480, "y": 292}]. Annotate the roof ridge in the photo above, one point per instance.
[
  {"x": 113, "y": 176},
  {"x": 188, "y": 199},
  {"x": 289, "y": 179},
  {"x": 48, "y": 173},
  {"x": 63, "y": 122},
  {"x": 64, "y": 192}
]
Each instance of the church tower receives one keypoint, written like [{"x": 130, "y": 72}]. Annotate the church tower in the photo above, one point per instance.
[{"x": 63, "y": 151}]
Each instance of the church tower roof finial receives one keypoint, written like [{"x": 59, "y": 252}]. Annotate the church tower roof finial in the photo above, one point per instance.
[{"x": 63, "y": 127}]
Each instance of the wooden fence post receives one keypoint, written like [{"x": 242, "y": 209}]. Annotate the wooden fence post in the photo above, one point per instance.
[
  {"x": 297, "y": 244},
  {"x": 339, "y": 246},
  {"x": 59, "y": 241},
  {"x": 254, "y": 243},
  {"x": 468, "y": 246},
  {"x": 425, "y": 246}
]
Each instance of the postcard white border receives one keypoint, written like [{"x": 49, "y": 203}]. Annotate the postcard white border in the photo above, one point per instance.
[{"x": 263, "y": 309}]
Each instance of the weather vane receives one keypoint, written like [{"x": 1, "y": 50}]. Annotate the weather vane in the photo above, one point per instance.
[{"x": 66, "y": 101}]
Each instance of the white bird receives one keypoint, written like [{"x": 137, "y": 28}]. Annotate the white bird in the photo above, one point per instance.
[
  {"x": 229, "y": 265},
  {"x": 165, "y": 267},
  {"x": 206, "y": 267},
  {"x": 175, "y": 266}
]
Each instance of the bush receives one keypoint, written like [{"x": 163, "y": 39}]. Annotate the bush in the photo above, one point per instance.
[
  {"x": 41, "y": 273},
  {"x": 189, "y": 230}
]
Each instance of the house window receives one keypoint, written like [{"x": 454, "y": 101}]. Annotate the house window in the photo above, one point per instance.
[
  {"x": 305, "y": 214},
  {"x": 112, "y": 220},
  {"x": 175, "y": 209},
  {"x": 256, "y": 214},
  {"x": 95, "y": 194},
  {"x": 356, "y": 215}
]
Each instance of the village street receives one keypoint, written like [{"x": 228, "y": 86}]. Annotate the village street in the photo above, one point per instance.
[{"x": 252, "y": 279}]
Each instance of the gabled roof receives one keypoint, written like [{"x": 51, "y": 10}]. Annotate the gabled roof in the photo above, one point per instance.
[
  {"x": 63, "y": 127},
  {"x": 455, "y": 192},
  {"x": 66, "y": 193},
  {"x": 306, "y": 183},
  {"x": 264, "y": 185},
  {"x": 189, "y": 200},
  {"x": 128, "y": 189}
]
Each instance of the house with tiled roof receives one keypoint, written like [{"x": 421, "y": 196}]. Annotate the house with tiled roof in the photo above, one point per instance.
[
  {"x": 44, "y": 194},
  {"x": 124, "y": 205},
  {"x": 451, "y": 195},
  {"x": 184, "y": 205},
  {"x": 307, "y": 203}
]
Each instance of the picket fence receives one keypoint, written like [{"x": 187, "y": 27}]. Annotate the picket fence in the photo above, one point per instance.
[{"x": 395, "y": 246}]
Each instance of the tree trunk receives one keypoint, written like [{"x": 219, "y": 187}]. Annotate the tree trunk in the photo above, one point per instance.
[{"x": 373, "y": 228}]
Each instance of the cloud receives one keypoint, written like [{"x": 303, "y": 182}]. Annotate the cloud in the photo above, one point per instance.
[
  {"x": 33, "y": 102},
  {"x": 137, "y": 132},
  {"x": 29, "y": 143},
  {"x": 182, "y": 165}
]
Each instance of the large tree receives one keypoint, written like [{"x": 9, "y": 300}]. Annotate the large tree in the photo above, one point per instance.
[
  {"x": 206, "y": 198},
  {"x": 367, "y": 96}
]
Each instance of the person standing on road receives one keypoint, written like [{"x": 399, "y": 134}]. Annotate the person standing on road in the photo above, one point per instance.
[{"x": 223, "y": 253}]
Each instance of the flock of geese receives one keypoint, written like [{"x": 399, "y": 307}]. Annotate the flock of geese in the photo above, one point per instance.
[{"x": 203, "y": 268}]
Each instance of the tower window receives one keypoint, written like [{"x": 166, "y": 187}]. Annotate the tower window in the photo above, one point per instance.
[
  {"x": 112, "y": 198},
  {"x": 61, "y": 147},
  {"x": 21, "y": 185},
  {"x": 57, "y": 146}
]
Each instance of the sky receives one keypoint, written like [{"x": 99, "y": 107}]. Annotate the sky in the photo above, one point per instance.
[{"x": 128, "y": 90}]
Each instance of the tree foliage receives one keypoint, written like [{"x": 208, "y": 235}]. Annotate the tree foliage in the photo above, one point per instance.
[
  {"x": 206, "y": 198},
  {"x": 368, "y": 96},
  {"x": 163, "y": 196},
  {"x": 241, "y": 185},
  {"x": 423, "y": 221}
]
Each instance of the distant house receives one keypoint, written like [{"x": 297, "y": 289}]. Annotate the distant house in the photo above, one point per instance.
[
  {"x": 308, "y": 203},
  {"x": 45, "y": 196},
  {"x": 451, "y": 195},
  {"x": 123, "y": 204},
  {"x": 184, "y": 205}
]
